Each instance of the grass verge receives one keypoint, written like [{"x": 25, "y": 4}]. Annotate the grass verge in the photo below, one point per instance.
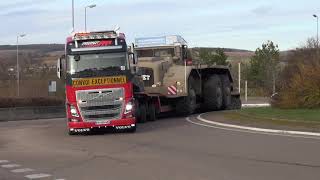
[{"x": 267, "y": 117}]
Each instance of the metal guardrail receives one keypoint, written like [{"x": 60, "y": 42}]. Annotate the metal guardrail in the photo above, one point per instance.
[{"x": 31, "y": 113}]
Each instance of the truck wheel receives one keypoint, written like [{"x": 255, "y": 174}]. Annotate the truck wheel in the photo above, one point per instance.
[
  {"x": 187, "y": 105},
  {"x": 71, "y": 133},
  {"x": 142, "y": 113},
  {"x": 212, "y": 93},
  {"x": 133, "y": 129},
  {"x": 226, "y": 89},
  {"x": 152, "y": 112}
]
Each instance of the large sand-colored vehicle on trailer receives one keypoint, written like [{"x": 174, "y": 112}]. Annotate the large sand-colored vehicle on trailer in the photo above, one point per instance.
[{"x": 171, "y": 80}]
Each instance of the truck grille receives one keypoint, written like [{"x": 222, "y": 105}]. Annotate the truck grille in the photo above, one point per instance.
[{"x": 100, "y": 104}]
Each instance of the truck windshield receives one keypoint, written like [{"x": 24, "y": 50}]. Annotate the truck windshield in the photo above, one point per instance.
[
  {"x": 168, "y": 52},
  {"x": 97, "y": 62}
]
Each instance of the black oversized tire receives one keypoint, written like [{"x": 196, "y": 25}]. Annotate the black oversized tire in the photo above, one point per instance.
[
  {"x": 212, "y": 94},
  {"x": 133, "y": 129},
  {"x": 71, "y": 133},
  {"x": 142, "y": 114},
  {"x": 187, "y": 105},
  {"x": 152, "y": 114},
  {"x": 226, "y": 92}
]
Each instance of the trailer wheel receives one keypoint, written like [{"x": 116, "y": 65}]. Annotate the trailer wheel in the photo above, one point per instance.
[
  {"x": 142, "y": 113},
  {"x": 152, "y": 112},
  {"x": 187, "y": 105},
  {"x": 226, "y": 89},
  {"x": 212, "y": 93}
]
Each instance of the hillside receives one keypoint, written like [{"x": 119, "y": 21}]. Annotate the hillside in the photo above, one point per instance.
[
  {"x": 47, "y": 54},
  {"x": 34, "y": 54}
]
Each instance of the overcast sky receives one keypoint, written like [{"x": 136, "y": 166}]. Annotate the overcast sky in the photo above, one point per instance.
[{"x": 243, "y": 24}]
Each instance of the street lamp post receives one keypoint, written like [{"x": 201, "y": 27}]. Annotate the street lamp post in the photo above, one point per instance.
[
  {"x": 85, "y": 15},
  {"x": 72, "y": 15},
  {"x": 18, "y": 68},
  {"x": 316, "y": 16}
]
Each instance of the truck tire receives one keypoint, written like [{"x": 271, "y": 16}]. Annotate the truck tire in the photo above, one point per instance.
[
  {"x": 212, "y": 93},
  {"x": 142, "y": 118},
  {"x": 132, "y": 129},
  {"x": 187, "y": 105},
  {"x": 226, "y": 92},
  {"x": 152, "y": 116},
  {"x": 71, "y": 133}
]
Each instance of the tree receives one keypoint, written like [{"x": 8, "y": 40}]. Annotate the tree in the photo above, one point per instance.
[
  {"x": 264, "y": 67},
  {"x": 217, "y": 57},
  {"x": 300, "y": 79}
]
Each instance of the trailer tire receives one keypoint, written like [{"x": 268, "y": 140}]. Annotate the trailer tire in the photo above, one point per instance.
[
  {"x": 187, "y": 105},
  {"x": 133, "y": 129},
  {"x": 142, "y": 113},
  {"x": 212, "y": 93},
  {"x": 226, "y": 92},
  {"x": 152, "y": 116}
]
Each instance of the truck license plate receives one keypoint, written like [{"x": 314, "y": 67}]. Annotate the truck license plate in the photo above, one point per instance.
[{"x": 102, "y": 122}]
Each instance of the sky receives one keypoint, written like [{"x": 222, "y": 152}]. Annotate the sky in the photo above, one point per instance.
[{"x": 241, "y": 24}]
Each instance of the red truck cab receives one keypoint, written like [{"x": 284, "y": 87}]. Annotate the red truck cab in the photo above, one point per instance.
[{"x": 99, "y": 91}]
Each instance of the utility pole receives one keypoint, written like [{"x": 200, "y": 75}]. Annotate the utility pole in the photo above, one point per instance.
[
  {"x": 317, "y": 17},
  {"x": 85, "y": 15},
  {"x": 246, "y": 91},
  {"x": 239, "y": 76},
  {"x": 18, "y": 68},
  {"x": 72, "y": 15}
]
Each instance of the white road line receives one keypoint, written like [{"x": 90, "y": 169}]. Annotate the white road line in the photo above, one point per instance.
[
  {"x": 10, "y": 166},
  {"x": 256, "y": 105},
  {"x": 250, "y": 132},
  {"x": 22, "y": 170},
  {"x": 37, "y": 176},
  {"x": 276, "y": 131},
  {"x": 3, "y": 161}
]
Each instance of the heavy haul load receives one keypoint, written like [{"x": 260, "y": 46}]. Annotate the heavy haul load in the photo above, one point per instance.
[
  {"x": 172, "y": 80},
  {"x": 111, "y": 85}
]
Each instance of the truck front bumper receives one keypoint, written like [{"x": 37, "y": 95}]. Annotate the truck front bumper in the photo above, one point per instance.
[{"x": 87, "y": 126}]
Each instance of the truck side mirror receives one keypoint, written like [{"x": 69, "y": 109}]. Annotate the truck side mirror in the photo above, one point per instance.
[
  {"x": 133, "y": 57},
  {"x": 59, "y": 68},
  {"x": 185, "y": 52}
]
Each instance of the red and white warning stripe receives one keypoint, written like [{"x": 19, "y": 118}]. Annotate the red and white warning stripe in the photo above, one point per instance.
[{"x": 172, "y": 90}]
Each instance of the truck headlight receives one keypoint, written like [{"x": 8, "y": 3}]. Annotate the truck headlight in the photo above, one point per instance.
[
  {"x": 73, "y": 111},
  {"x": 129, "y": 107}
]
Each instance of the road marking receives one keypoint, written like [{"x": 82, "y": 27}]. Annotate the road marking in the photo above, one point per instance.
[
  {"x": 250, "y": 132},
  {"x": 256, "y": 105},
  {"x": 22, "y": 170},
  {"x": 259, "y": 129},
  {"x": 3, "y": 161},
  {"x": 37, "y": 176},
  {"x": 10, "y": 166}
]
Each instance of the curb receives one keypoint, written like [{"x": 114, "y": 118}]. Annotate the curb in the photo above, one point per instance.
[
  {"x": 256, "y": 105},
  {"x": 274, "y": 131}
]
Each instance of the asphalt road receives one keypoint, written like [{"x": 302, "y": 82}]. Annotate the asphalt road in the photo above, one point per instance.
[{"x": 170, "y": 148}]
